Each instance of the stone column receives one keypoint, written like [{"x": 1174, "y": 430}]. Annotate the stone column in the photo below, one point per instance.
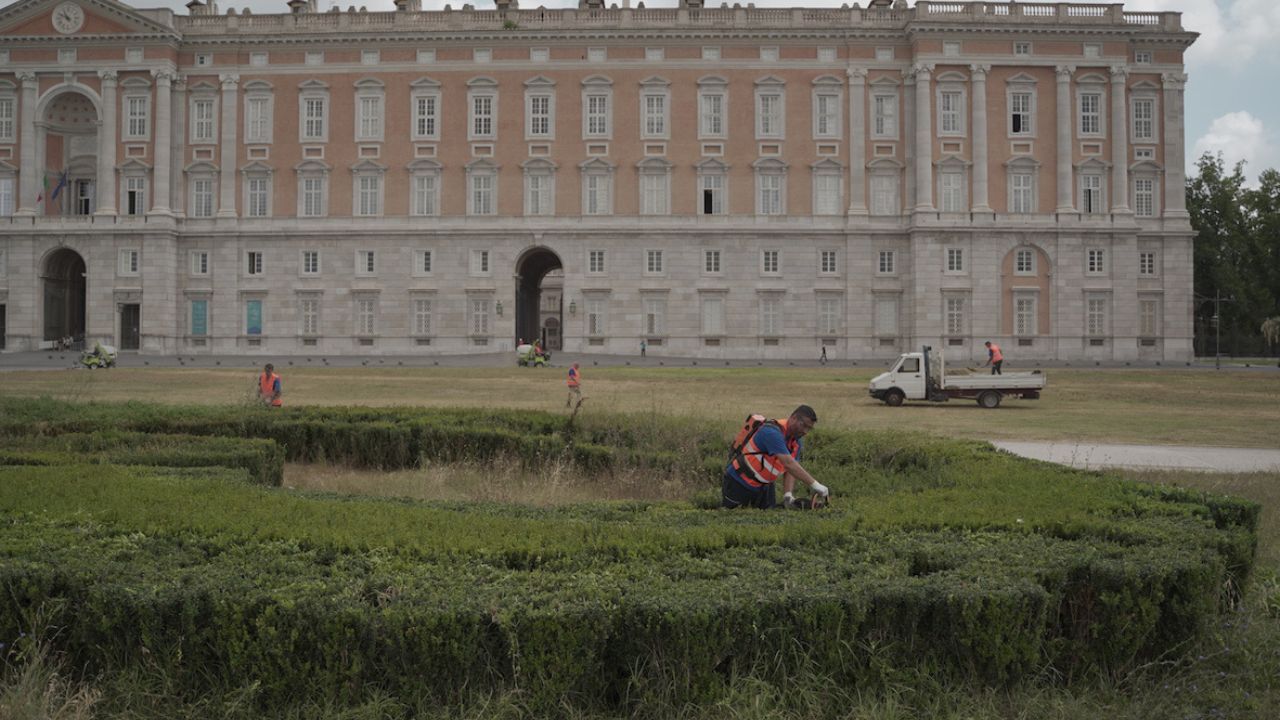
[
  {"x": 163, "y": 143},
  {"x": 178, "y": 179},
  {"x": 1066, "y": 192},
  {"x": 1175, "y": 180},
  {"x": 924, "y": 139},
  {"x": 108, "y": 136},
  {"x": 28, "y": 173},
  {"x": 227, "y": 164},
  {"x": 980, "y": 179},
  {"x": 908, "y": 115},
  {"x": 1119, "y": 141},
  {"x": 857, "y": 141}
]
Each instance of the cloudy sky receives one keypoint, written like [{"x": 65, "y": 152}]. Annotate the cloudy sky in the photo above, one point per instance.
[{"x": 1232, "y": 101}]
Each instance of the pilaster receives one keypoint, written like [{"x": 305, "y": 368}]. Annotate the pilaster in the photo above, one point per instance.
[
  {"x": 981, "y": 201},
  {"x": 924, "y": 139},
  {"x": 28, "y": 178},
  {"x": 163, "y": 143},
  {"x": 227, "y": 163},
  {"x": 108, "y": 136},
  {"x": 857, "y": 141},
  {"x": 1175, "y": 176},
  {"x": 1119, "y": 142},
  {"x": 1066, "y": 193},
  {"x": 177, "y": 145}
]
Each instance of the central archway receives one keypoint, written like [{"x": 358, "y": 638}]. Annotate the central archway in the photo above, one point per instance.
[
  {"x": 64, "y": 295},
  {"x": 531, "y": 269}
]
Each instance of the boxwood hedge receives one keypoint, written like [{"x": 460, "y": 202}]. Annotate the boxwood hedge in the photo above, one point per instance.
[{"x": 940, "y": 554}]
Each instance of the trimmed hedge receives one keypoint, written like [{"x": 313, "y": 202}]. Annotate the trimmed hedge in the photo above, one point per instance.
[{"x": 941, "y": 554}]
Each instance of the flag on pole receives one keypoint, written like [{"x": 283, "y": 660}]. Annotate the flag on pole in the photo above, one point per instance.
[
  {"x": 62, "y": 182},
  {"x": 44, "y": 190}
]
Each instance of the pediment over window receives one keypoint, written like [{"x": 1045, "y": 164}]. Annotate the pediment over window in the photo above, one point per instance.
[
  {"x": 712, "y": 80},
  {"x": 539, "y": 165},
  {"x": 540, "y": 81},
  {"x": 769, "y": 165},
  {"x": 885, "y": 82},
  {"x": 654, "y": 164},
  {"x": 953, "y": 162},
  {"x": 1144, "y": 86},
  {"x": 482, "y": 81},
  {"x": 133, "y": 166},
  {"x": 831, "y": 80},
  {"x": 370, "y": 84},
  {"x": 312, "y": 166},
  {"x": 596, "y": 80},
  {"x": 424, "y": 165},
  {"x": 654, "y": 80},
  {"x": 712, "y": 166},
  {"x": 313, "y": 84},
  {"x": 1146, "y": 167},
  {"x": 597, "y": 165},
  {"x": 1024, "y": 162},
  {"x": 1091, "y": 79},
  {"x": 1022, "y": 79},
  {"x": 951, "y": 76},
  {"x": 425, "y": 83},
  {"x": 368, "y": 166},
  {"x": 7, "y": 168},
  {"x": 257, "y": 167},
  {"x": 884, "y": 164},
  {"x": 1093, "y": 165},
  {"x": 201, "y": 167},
  {"x": 482, "y": 165},
  {"x": 770, "y": 80},
  {"x": 828, "y": 165},
  {"x": 204, "y": 87},
  {"x": 135, "y": 83},
  {"x": 259, "y": 86}
]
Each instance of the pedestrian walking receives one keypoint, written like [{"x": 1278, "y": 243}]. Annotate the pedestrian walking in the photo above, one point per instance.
[
  {"x": 995, "y": 358},
  {"x": 575, "y": 385},
  {"x": 643, "y": 346},
  {"x": 823, "y": 359}
]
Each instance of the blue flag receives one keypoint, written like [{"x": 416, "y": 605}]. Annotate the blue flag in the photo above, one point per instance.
[{"x": 62, "y": 182}]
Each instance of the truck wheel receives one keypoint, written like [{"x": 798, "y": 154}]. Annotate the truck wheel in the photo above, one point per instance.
[
  {"x": 989, "y": 399},
  {"x": 894, "y": 398}
]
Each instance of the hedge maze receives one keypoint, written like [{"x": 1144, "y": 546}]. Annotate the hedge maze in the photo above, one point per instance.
[{"x": 149, "y": 531}]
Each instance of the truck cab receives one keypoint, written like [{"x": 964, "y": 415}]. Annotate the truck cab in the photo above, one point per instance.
[{"x": 905, "y": 380}]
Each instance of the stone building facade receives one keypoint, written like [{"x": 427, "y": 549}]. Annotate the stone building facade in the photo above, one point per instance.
[{"x": 720, "y": 182}]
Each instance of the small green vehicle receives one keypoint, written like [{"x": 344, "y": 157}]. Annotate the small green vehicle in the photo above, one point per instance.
[
  {"x": 528, "y": 356},
  {"x": 101, "y": 356}
]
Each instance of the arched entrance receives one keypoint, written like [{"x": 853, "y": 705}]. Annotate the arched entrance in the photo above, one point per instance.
[
  {"x": 64, "y": 295},
  {"x": 536, "y": 301},
  {"x": 68, "y": 148}
]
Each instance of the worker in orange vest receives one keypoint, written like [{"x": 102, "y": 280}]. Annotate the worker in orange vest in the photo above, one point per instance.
[
  {"x": 269, "y": 390},
  {"x": 995, "y": 358},
  {"x": 766, "y": 451},
  {"x": 575, "y": 385}
]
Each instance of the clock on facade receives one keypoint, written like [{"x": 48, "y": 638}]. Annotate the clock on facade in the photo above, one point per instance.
[{"x": 67, "y": 18}]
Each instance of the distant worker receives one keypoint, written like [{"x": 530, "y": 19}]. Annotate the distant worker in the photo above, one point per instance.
[
  {"x": 269, "y": 390},
  {"x": 994, "y": 358},
  {"x": 575, "y": 385},
  {"x": 643, "y": 347},
  {"x": 823, "y": 359},
  {"x": 763, "y": 451}
]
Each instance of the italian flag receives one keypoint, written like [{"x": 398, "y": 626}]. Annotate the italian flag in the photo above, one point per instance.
[{"x": 43, "y": 192}]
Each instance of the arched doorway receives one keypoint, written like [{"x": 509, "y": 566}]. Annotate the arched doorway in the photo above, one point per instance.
[
  {"x": 64, "y": 295},
  {"x": 535, "y": 304},
  {"x": 68, "y": 148}
]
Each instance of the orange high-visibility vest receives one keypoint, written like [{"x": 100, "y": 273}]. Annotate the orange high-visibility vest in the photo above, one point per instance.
[
  {"x": 996, "y": 355},
  {"x": 758, "y": 468},
  {"x": 573, "y": 377},
  {"x": 267, "y": 388}
]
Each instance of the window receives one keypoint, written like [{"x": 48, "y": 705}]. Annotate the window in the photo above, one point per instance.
[
  {"x": 366, "y": 263},
  {"x": 712, "y": 315},
  {"x": 315, "y": 57},
  {"x": 595, "y": 307},
  {"x": 886, "y": 315},
  {"x": 952, "y": 184},
  {"x": 310, "y": 262},
  {"x": 1142, "y": 57},
  {"x": 370, "y": 57},
  {"x": 884, "y": 119},
  {"x": 770, "y": 188},
  {"x": 1096, "y": 261},
  {"x": 422, "y": 260},
  {"x": 539, "y": 192},
  {"x": 1148, "y": 317},
  {"x": 8, "y": 106},
  {"x": 655, "y": 312},
  {"x": 710, "y": 53},
  {"x": 827, "y": 262},
  {"x": 1090, "y": 113},
  {"x": 138, "y": 108},
  {"x": 135, "y": 195},
  {"x": 711, "y": 190},
  {"x": 597, "y": 120},
  {"x": 199, "y": 318},
  {"x": 1147, "y": 264},
  {"x": 369, "y": 103},
  {"x": 884, "y": 194},
  {"x": 84, "y": 197},
  {"x": 426, "y": 115},
  {"x": 655, "y": 192},
  {"x": 1092, "y": 50},
  {"x": 955, "y": 316},
  {"x": 1096, "y": 316},
  {"x": 482, "y": 112},
  {"x": 1144, "y": 113},
  {"x": 1024, "y": 316},
  {"x": 313, "y": 191},
  {"x": 1022, "y": 48},
  {"x": 951, "y": 112},
  {"x": 955, "y": 260},
  {"x": 769, "y": 113},
  {"x": 653, "y": 262},
  {"x": 1022, "y": 193},
  {"x": 1024, "y": 262},
  {"x": 253, "y": 264},
  {"x": 826, "y": 191},
  {"x": 199, "y": 262},
  {"x": 597, "y": 54},
  {"x": 480, "y": 193},
  {"x": 422, "y": 316},
  {"x": 426, "y": 194},
  {"x": 368, "y": 195},
  {"x": 711, "y": 108},
  {"x": 202, "y": 123},
  {"x": 202, "y": 198},
  {"x": 309, "y": 315},
  {"x": 130, "y": 261},
  {"x": 479, "y": 315},
  {"x": 538, "y": 116},
  {"x": 653, "y": 108},
  {"x": 826, "y": 115},
  {"x": 828, "y": 315},
  {"x": 366, "y": 315},
  {"x": 595, "y": 262},
  {"x": 204, "y": 59},
  {"x": 1144, "y": 197},
  {"x": 770, "y": 315},
  {"x": 1091, "y": 194},
  {"x": 1020, "y": 113},
  {"x": 314, "y": 108},
  {"x": 598, "y": 191},
  {"x": 769, "y": 262},
  {"x": 887, "y": 263},
  {"x": 480, "y": 262},
  {"x": 258, "y": 59},
  {"x": 258, "y": 196},
  {"x": 654, "y": 54},
  {"x": 257, "y": 118},
  {"x": 711, "y": 262}
]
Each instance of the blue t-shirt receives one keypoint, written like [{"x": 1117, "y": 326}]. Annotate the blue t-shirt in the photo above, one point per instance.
[{"x": 768, "y": 439}]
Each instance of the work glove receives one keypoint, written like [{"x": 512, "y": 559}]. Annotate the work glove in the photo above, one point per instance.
[
  {"x": 819, "y": 489},
  {"x": 788, "y": 500}
]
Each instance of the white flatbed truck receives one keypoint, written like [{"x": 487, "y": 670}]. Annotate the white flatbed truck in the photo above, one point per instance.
[{"x": 923, "y": 376}]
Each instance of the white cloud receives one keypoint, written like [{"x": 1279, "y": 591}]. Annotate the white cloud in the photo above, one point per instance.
[{"x": 1239, "y": 136}]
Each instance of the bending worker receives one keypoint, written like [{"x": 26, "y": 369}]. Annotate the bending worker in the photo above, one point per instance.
[
  {"x": 269, "y": 390},
  {"x": 995, "y": 358},
  {"x": 771, "y": 450}
]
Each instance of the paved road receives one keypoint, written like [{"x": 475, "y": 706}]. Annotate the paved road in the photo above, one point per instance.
[{"x": 1176, "y": 457}]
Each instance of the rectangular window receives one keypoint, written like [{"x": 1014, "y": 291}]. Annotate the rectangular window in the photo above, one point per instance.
[
  {"x": 539, "y": 115},
  {"x": 257, "y": 189},
  {"x": 1096, "y": 261},
  {"x": 370, "y": 57},
  {"x": 309, "y": 316},
  {"x": 138, "y": 108},
  {"x": 369, "y": 123},
  {"x": 711, "y": 115},
  {"x": 199, "y": 262},
  {"x": 1024, "y": 316},
  {"x": 952, "y": 192},
  {"x": 135, "y": 195},
  {"x": 482, "y": 116},
  {"x": 479, "y": 316},
  {"x": 1022, "y": 48},
  {"x": 1148, "y": 318},
  {"x": 202, "y": 198},
  {"x": 712, "y": 194},
  {"x": 199, "y": 317},
  {"x": 1144, "y": 197},
  {"x": 886, "y": 315},
  {"x": 479, "y": 262},
  {"x": 422, "y": 316},
  {"x": 887, "y": 262},
  {"x": 8, "y": 107},
  {"x": 770, "y": 200},
  {"x": 369, "y": 197},
  {"x": 655, "y": 115},
  {"x": 253, "y": 265},
  {"x": 6, "y": 197},
  {"x": 654, "y": 192},
  {"x": 955, "y": 316},
  {"x": 955, "y": 259},
  {"x": 598, "y": 192},
  {"x": 595, "y": 316},
  {"x": 424, "y": 195},
  {"x": 313, "y": 116},
  {"x": 313, "y": 190},
  {"x": 310, "y": 262},
  {"x": 1022, "y": 197},
  {"x": 884, "y": 195},
  {"x": 257, "y": 119},
  {"x": 202, "y": 120},
  {"x": 1090, "y": 114},
  {"x": 827, "y": 262},
  {"x": 595, "y": 262},
  {"x": 885, "y": 116},
  {"x": 1144, "y": 113},
  {"x": 655, "y": 311},
  {"x": 769, "y": 262},
  {"x": 1147, "y": 264},
  {"x": 769, "y": 115},
  {"x": 422, "y": 261},
  {"x": 828, "y": 315},
  {"x": 770, "y": 316},
  {"x": 712, "y": 316},
  {"x": 826, "y": 112},
  {"x": 1024, "y": 262},
  {"x": 711, "y": 262},
  {"x": 1096, "y": 316},
  {"x": 1091, "y": 194},
  {"x": 366, "y": 313},
  {"x": 950, "y": 113},
  {"x": 129, "y": 261},
  {"x": 653, "y": 262},
  {"x": 597, "y": 116},
  {"x": 826, "y": 194},
  {"x": 482, "y": 194},
  {"x": 1020, "y": 113},
  {"x": 252, "y": 317},
  {"x": 425, "y": 116},
  {"x": 1142, "y": 57},
  {"x": 366, "y": 262},
  {"x": 539, "y": 198}
]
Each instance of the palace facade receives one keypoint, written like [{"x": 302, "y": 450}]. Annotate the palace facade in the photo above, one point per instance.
[{"x": 725, "y": 182}]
